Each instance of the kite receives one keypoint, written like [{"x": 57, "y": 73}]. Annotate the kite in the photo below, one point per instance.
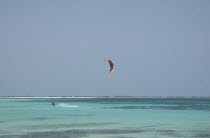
[{"x": 111, "y": 64}]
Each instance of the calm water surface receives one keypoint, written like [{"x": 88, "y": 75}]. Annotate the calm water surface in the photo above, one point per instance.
[{"x": 105, "y": 118}]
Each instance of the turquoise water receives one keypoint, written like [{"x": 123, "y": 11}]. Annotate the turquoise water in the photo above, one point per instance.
[{"x": 105, "y": 118}]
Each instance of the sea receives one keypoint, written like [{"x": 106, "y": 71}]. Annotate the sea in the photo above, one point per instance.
[{"x": 105, "y": 118}]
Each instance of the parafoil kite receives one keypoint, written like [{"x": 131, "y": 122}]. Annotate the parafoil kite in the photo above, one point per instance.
[{"x": 111, "y": 64}]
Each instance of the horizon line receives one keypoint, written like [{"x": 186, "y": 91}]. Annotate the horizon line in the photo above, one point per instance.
[{"x": 104, "y": 96}]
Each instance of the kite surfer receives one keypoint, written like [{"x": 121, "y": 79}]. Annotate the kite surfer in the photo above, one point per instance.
[{"x": 53, "y": 103}]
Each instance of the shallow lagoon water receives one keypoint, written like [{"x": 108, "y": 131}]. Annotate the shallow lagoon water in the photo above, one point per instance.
[{"x": 105, "y": 118}]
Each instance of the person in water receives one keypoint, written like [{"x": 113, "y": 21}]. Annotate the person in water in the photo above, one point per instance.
[{"x": 53, "y": 103}]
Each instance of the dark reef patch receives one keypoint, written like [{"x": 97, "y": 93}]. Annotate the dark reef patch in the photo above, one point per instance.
[
  {"x": 166, "y": 131},
  {"x": 55, "y": 126},
  {"x": 79, "y": 115},
  {"x": 74, "y": 133},
  {"x": 174, "y": 107},
  {"x": 39, "y": 118},
  {"x": 116, "y": 133},
  {"x": 202, "y": 135},
  {"x": 171, "y": 133}
]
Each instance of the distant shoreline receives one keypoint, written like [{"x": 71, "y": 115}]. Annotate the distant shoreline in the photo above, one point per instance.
[{"x": 146, "y": 97}]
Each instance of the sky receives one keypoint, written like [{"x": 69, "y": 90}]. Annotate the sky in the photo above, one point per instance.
[{"x": 58, "y": 47}]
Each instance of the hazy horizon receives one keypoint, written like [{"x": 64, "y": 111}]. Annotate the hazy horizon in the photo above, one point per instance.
[
  {"x": 160, "y": 48},
  {"x": 72, "y": 96}
]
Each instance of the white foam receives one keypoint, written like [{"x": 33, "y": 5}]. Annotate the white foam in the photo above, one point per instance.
[{"x": 66, "y": 105}]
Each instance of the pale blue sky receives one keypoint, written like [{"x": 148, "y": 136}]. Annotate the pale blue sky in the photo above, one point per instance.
[{"x": 58, "y": 47}]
